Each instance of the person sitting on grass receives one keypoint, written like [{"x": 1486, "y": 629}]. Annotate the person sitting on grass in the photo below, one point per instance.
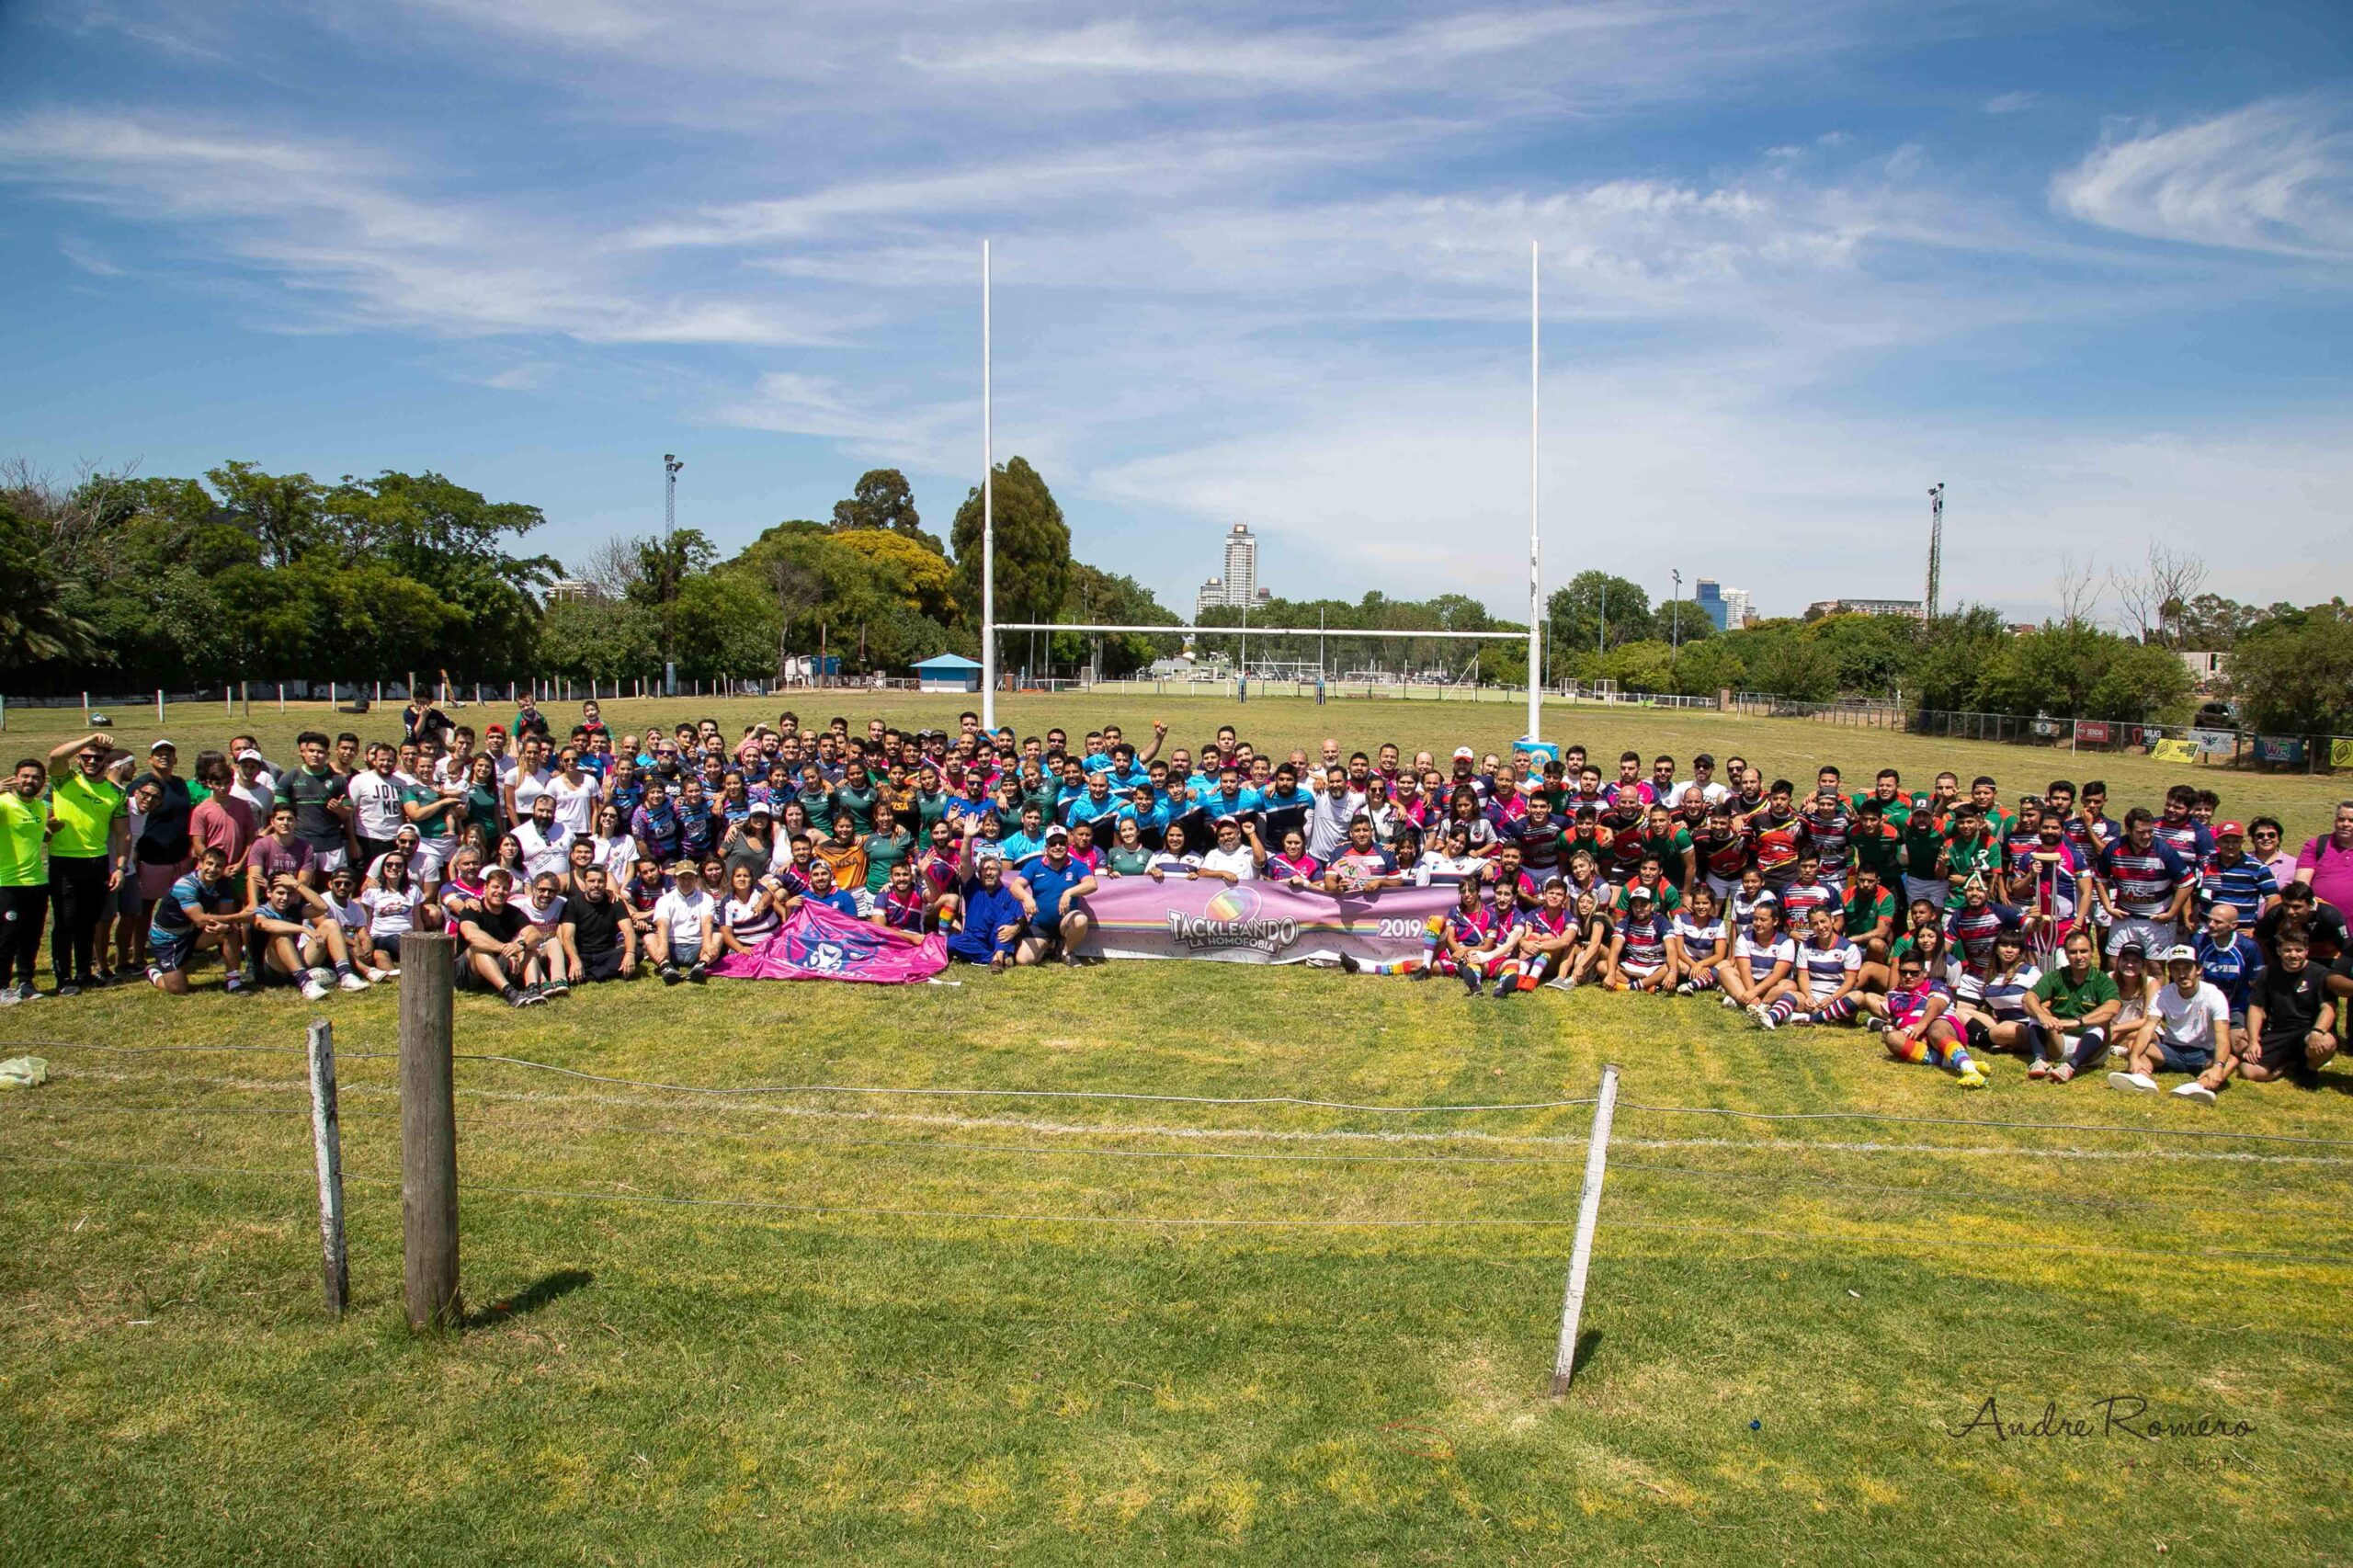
[
  {"x": 599, "y": 939},
  {"x": 901, "y": 906},
  {"x": 989, "y": 916},
  {"x": 2069, "y": 1010},
  {"x": 499, "y": 943},
  {"x": 1699, "y": 945},
  {"x": 1826, "y": 988},
  {"x": 197, "y": 911},
  {"x": 1998, "y": 1020},
  {"x": 1870, "y": 923},
  {"x": 297, "y": 942},
  {"x": 824, "y": 890},
  {"x": 1547, "y": 937},
  {"x": 1639, "y": 956},
  {"x": 683, "y": 936},
  {"x": 2136, "y": 994},
  {"x": 1477, "y": 941},
  {"x": 1055, "y": 922},
  {"x": 1913, "y": 1021},
  {"x": 2291, "y": 1020},
  {"x": 1757, "y": 971},
  {"x": 2192, "y": 1028},
  {"x": 750, "y": 917}
]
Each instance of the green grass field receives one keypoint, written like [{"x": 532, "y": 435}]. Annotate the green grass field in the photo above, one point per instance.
[{"x": 947, "y": 1327}]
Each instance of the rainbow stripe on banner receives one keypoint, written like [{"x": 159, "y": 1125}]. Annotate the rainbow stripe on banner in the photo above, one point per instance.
[{"x": 1136, "y": 917}]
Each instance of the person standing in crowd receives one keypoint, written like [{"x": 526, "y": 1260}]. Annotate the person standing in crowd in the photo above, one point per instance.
[
  {"x": 89, "y": 836},
  {"x": 2325, "y": 862},
  {"x": 163, "y": 847},
  {"x": 24, "y": 881}
]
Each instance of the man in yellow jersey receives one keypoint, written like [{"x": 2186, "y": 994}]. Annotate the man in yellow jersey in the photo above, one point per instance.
[
  {"x": 24, "y": 880},
  {"x": 89, "y": 824}
]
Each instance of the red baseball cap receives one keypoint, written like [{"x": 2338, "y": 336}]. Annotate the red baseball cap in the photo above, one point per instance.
[{"x": 2230, "y": 830}]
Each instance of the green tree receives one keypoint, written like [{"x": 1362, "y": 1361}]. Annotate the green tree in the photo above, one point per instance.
[
  {"x": 35, "y": 626},
  {"x": 1595, "y": 609},
  {"x": 1032, "y": 566},
  {"x": 2295, "y": 675},
  {"x": 286, "y": 514},
  {"x": 727, "y": 623},
  {"x": 883, "y": 500},
  {"x": 1681, "y": 622},
  {"x": 603, "y": 639},
  {"x": 1709, "y": 668}
]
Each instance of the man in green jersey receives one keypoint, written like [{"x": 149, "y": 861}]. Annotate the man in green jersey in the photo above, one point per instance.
[
  {"x": 24, "y": 880},
  {"x": 89, "y": 842}
]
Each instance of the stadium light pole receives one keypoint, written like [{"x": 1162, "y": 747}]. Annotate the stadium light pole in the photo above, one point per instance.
[
  {"x": 1675, "y": 616},
  {"x": 1535, "y": 547},
  {"x": 988, "y": 515},
  {"x": 671, "y": 464}
]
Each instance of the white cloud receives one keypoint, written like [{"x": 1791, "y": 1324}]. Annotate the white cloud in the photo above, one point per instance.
[
  {"x": 327, "y": 221},
  {"x": 2011, "y": 102},
  {"x": 2274, "y": 177}
]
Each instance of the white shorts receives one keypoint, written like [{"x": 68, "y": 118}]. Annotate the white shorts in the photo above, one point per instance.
[
  {"x": 330, "y": 861},
  {"x": 2154, "y": 935},
  {"x": 1639, "y": 971},
  {"x": 1723, "y": 888},
  {"x": 432, "y": 854},
  {"x": 1931, "y": 889}
]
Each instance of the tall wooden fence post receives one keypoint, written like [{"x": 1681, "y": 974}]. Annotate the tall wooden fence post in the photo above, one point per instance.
[
  {"x": 326, "y": 1142},
  {"x": 428, "y": 1132},
  {"x": 1597, "y": 1161}
]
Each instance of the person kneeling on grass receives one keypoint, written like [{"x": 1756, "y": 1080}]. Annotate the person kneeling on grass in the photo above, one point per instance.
[
  {"x": 2193, "y": 1024},
  {"x": 1638, "y": 948},
  {"x": 2069, "y": 1012},
  {"x": 499, "y": 943},
  {"x": 1758, "y": 972},
  {"x": 296, "y": 940},
  {"x": 683, "y": 936},
  {"x": 1913, "y": 1019},
  {"x": 198, "y": 910},
  {"x": 1828, "y": 987}
]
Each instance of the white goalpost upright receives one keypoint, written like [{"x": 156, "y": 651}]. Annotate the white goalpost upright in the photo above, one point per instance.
[
  {"x": 1535, "y": 547},
  {"x": 990, "y": 627},
  {"x": 988, "y": 515}
]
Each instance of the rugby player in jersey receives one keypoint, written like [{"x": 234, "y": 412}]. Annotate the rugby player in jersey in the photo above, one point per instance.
[
  {"x": 1807, "y": 892},
  {"x": 1699, "y": 944},
  {"x": 1477, "y": 941},
  {"x": 1871, "y": 912},
  {"x": 2180, "y": 828},
  {"x": 1639, "y": 959},
  {"x": 2236, "y": 877},
  {"x": 1912, "y": 1018},
  {"x": 1547, "y": 937},
  {"x": 2144, "y": 888},
  {"x": 1830, "y": 829},
  {"x": 1828, "y": 977},
  {"x": 1998, "y": 1019},
  {"x": 1722, "y": 850},
  {"x": 1757, "y": 970},
  {"x": 1887, "y": 790},
  {"x": 1971, "y": 928}
]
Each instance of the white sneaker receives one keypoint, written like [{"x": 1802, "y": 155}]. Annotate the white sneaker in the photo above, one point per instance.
[
  {"x": 2194, "y": 1090},
  {"x": 2138, "y": 1083},
  {"x": 1728, "y": 1001},
  {"x": 314, "y": 991},
  {"x": 353, "y": 982},
  {"x": 378, "y": 976}
]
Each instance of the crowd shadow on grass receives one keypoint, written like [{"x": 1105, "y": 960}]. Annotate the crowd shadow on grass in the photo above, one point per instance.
[{"x": 531, "y": 1297}]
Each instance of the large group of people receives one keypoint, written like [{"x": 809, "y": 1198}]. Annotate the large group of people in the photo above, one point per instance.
[{"x": 1956, "y": 923}]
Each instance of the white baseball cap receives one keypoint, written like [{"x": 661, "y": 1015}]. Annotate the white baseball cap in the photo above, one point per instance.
[{"x": 2179, "y": 953}]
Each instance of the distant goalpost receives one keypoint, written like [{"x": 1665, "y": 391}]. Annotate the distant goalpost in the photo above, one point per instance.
[{"x": 991, "y": 625}]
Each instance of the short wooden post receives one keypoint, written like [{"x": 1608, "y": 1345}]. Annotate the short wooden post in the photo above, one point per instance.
[
  {"x": 326, "y": 1143},
  {"x": 159, "y": 705},
  {"x": 428, "y": 1132},
  {"x": 1597, "y": 1159},
  {"x": 281, "y": 697}
]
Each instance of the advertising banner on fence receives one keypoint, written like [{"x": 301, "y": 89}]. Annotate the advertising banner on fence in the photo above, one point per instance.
[
  {"x": 2215, "y": 743},
  {"x": 2091, "y": 733},
  {"x": 1136, "y": 917},
  {"x": 817, "y": 943},
  {"x": 2173, "y": 751},
  {"x": 2280, "y": 749}
]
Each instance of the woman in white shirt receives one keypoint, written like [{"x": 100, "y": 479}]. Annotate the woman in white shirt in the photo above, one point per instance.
[
  {"x": 616, "y": 846},
  {"x": 1173, "y": 859}
]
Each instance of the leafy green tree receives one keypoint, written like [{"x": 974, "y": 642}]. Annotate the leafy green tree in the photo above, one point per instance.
[
  {"x": 1709, "y": 668},
  {"x": 284, "y": 513},
  {"x": 883, "y": 500},
  {"x": 1681, "y": 622},
  {"x": 1596, "y": 608},
  {"x": 35, "y": 626},
  {"x": 2295, "y": 675},
  {"x": 1872, "y": 652},
  {"x": 1032, "y": 566},
  {"x": 1644, "y": 666},
  {"x": 604, "y": 640},
  {"x": 728, "y": 625}
]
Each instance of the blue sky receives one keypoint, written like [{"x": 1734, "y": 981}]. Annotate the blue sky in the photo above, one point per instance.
[{"x": 2091, "y": 265}]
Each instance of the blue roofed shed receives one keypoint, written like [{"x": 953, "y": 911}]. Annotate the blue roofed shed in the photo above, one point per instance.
[{"x": 947, "y": 672}]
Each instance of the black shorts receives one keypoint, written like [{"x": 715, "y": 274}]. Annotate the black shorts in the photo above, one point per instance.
[
  {"x": 606, "y": 965},
  {"x": 2281, "y": 1054}
]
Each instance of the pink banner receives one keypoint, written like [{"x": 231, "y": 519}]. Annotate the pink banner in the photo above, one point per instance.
[
  {"x": 817, "y": 943},
  {"x": 1136, "y": 917}
]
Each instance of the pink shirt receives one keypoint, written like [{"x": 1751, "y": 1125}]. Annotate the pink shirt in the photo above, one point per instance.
[
  {"x": 223, "y": 822},
  {"x": 2331, "y": 867}
]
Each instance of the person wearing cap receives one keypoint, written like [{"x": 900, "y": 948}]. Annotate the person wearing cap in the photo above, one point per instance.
[
  {"x": 162, "y": 846},
  {"x": 683, "y": 938},
  {"x": 250, "y": 783},
  {"x": 751, "y": 842},
  {"x": 2192, "y": 1026},
  {"x": 1638, "y": 957},
  {"x": 1054, "y": 923},
  {"x": 2236, "y": 877},
  {"x": 89, "y": 838}
]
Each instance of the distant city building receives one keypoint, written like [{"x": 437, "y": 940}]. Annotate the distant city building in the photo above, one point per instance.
[
  {"x": 1727, "y": 609},
  {"x": 1238, "y": 589},
  {"x": 564, "y": 588},
  {"x": 2204, "y": 668},
  {"x": 1821, "y": 607}
]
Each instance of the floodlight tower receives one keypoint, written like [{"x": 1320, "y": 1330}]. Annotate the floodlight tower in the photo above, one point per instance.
[
  {"x": 670, "y": 467},
  {"x": 1936, "y": 550}
]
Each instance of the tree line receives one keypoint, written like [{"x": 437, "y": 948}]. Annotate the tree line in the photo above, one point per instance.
[{"x": 126, "y": 583}]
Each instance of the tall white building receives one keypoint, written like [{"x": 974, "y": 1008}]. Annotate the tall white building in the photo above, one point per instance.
[
  {"x": 1738, "y": 606},
  {"x": 1241, "y": 566}
]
